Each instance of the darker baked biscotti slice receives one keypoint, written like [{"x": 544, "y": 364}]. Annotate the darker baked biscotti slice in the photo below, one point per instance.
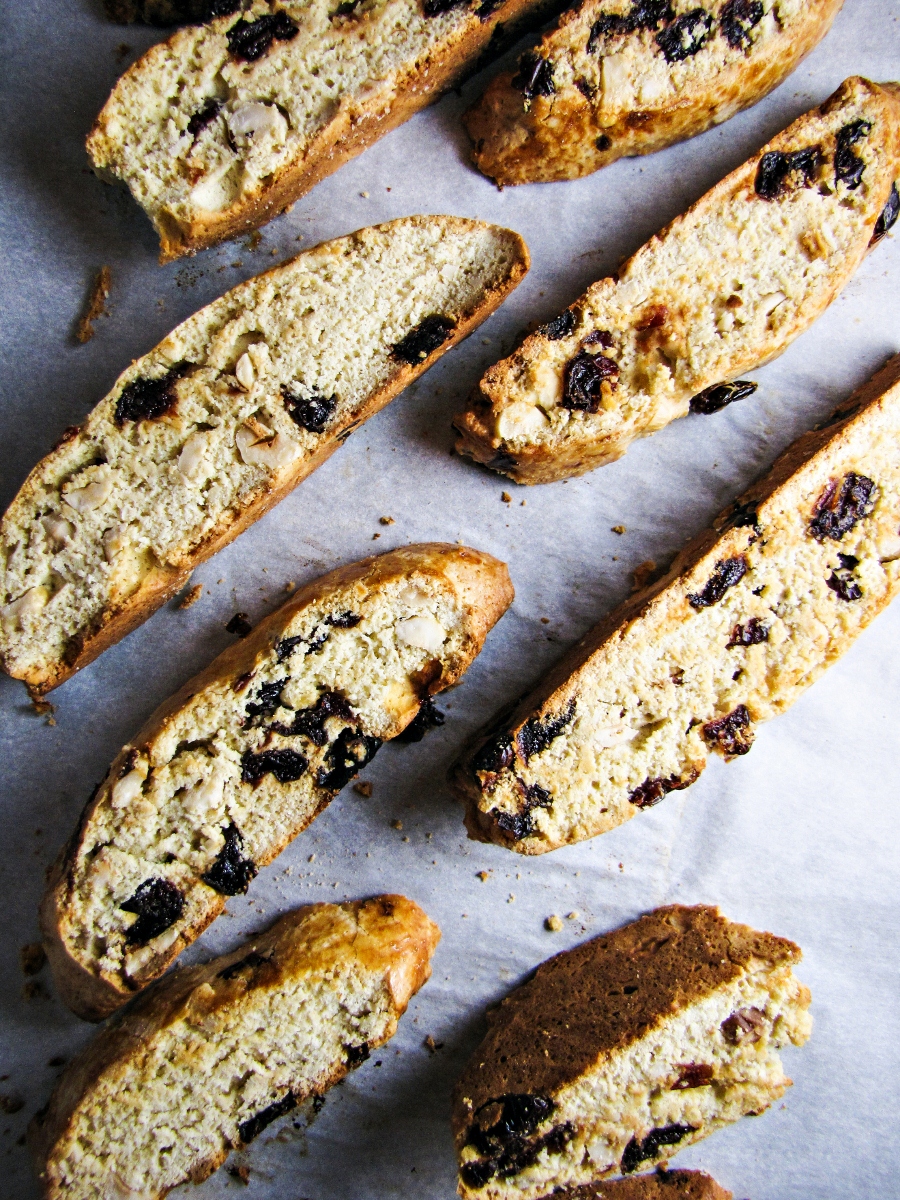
[
  {"x": 212, "y": 1055},
  {"x": 249, "y": 752},
  {"x": 661, "y": 1185},
  {"x": 622, "y": 77},
  {"x": 203, "y": 435},
  {"x": 747, "y": 617},
  {"x": 623, "y": 1050},
  {"x": 723, "y": 289}
]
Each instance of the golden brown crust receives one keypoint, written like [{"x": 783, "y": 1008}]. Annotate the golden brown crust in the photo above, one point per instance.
[
  {"x": 390, "y": 936},
  {"x": 556, "y": 136},
  {"x": 484, "y": 586},
  {"x": 561, "y": 1023},
  {"x": 661, "y": 1185}
]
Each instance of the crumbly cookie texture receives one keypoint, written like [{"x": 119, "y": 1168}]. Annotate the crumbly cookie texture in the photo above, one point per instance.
[
  {"x": 248, "y": 753},
  {"x": 625, "y": 1049},
  {"x": 661, "y": 1185},
  {"x": 623, "y": 77},
  {"x": 723, "y": 289},
  {"x": 213, "y": 1054},
  {"x": 748, "y": 616},
  {"x": 226, "y": 124},
  {"x": 200, "y": 437}
]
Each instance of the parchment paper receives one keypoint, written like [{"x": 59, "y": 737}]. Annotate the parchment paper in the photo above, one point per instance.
[{"x": 800, "y": 837}]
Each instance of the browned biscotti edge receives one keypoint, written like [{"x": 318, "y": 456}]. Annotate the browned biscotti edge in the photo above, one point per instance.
[
  {"x": 164, "y": 1002},
  {"x": 94, "y": 997},
  {"x": 562, "y": 678},
  {"x": 660, "y": 1185},
  {"x": 740, "y": 86},
  {"x": 167, "y": 580}
]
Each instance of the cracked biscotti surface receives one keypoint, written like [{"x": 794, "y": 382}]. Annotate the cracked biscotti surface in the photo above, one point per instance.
[
  {"x": 213, "y": 1054},
  {"x": 661, "y": 1185},
  {"x": 224, "y": 125},
  {"x": 200, "y": 437},
  {"x": 625, "y": 1049},
  {"x": 748, "y": 616},
  {"x": 623, "y": 77},
  {"x": 248, "y": 753},
  {"x": 723, "y": 289}
]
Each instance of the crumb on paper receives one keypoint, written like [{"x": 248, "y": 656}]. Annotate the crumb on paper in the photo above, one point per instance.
[
  {"x": 396, "y": 824},
  {"x": 545, "y": 620},
  {"x": 239, "y": 624},
  {"x": 32, "y": 958},
  {"x": 506, "y": 497},
  {"x": 95, "y": 306},
  {"x": 484, "y": 876},
  {"x": 365, "y": 195},
  {"x": 553, "y": 923},
  {"x": 191, "y": 596},
  {"x": 312, "y": 858},
  {"x": 386, "y": 520},
  {"x": 290, "y": 585},
  {"x": 375, "y": 536},
  {"x": 43, "y": 708},
  {"x": 511, "y": 898},
  {"x": 523, "y": 503},
  {"x": 642, "y": 574},
  {"x": 573, "y": 915},
  {"x": 431, "y": 1045},
  {"x": 363, "y": 788},
  {"x": 239, "y": 1171},
  {"x": 253, "y": 240},
  {"x": 619, "y": 529}
]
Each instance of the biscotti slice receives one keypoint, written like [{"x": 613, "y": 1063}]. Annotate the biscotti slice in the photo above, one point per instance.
[
  {"x": 748, "y": 616},
  {"x": 246, "y": 754},
  {"x": 618, "y": 1053},
  {"x": 212, "y": 1055},
  {"x": 726, "y": 287},
  {"x": 661, "y": 1185},
  {"x": 223, "y": 126},
  {"x": 222, "y": 419},
  {"x": 620, "y": 78}
]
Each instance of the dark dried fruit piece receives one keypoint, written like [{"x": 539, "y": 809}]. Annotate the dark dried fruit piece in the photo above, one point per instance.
[
  {"x": 253, "y": 1126},
  {"x": 267, "y": 699},
  {"x": 644, "y": 14},
  {"x": 434, "y": 8},
  {"x": 357, "y": 1055},
  {"x": 286, "y": 647},
  {"x": 204, "y": 116},
  {"x": 500, "y": 1122},
  {"x": 535, "y": 77},
  {"x": 248, "y": 963},
  {"x": 158, "y": 904},
  {"x": 348, "y": 754},
  {"x": 737, "y": 18},
  {"x": 640, "y": 1152},
  {"x": 231, "y": 873},
  {"x": 285, "y": 765},
  {"x": 560, "y": 326},
  {"x": 888, "y": 216},
  {"x": 727, "y": 573},
  {"x": 250, "y": 40},
  {"x": 495, "y": 755},
  {"x": 779, "y": 173},
  {"x": 310, "y": 722},
  {"x": 686, "y": 35},
  {"x": 521, "y": 824},
  {"x": 849, "y": 167},
  {"x": 714, "y": 399},
  {"x": 150, "y": 399},
  {"x": 750, "y": 634},
  {"x": 536, "y": 734},
  {"x": 745, "y": 1025},
  {"x": 732, "y": 734},
  {"x": 428, "y": 717},
  {"x": 311, "y": 413},
  {"x": 584, "y": 381},
  {"x": 693, "y": 1075},
  {"x": 841, "y": 506},
  {"x": 651, "y": 791},
  {"x": 239, "y": 624},
  {"x": 744, "y": 515},
  {"x": 486, "y": 9},
  {"x": 219, "y": 8},
  {"x": 424, "y": 339},
  {"x": 842, "y": 581},
  {"x": 344, "y": 620}
]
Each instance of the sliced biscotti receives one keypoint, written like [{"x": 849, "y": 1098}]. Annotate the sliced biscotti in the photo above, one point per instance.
[
  {"x": 212, "y": 1055},
  {"x": 224, "y": 125},
  {"x": 749, "y": 615},
  {"x": 623, "y": 77},
  {"x": 723, "y": 289},
  {"x": 621, "y": 1051},
  {"x": 239, "y": 761},
  {"x": 204, "y": 434},
  {"x": 661, "y": 1185}
]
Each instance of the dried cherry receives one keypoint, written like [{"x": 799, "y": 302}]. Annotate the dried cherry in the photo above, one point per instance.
[
  {"x": 347, "y": 755},
  {"x": 693, "y": 1075},
  {"x": 311, "y": 413},
  {"x": 521, "y": 824},
  {"x": 747, "y": 1024},
  {"x": 750, "y": 634},
  {"x": 535, "y": 76},
  {"x": 842, "y": 581},
  {"x": 495, "y": 755},
  {"x": 428, "y": 717},
  {"x": 732, "y": 734},
  {"x": 849, "y": 167},
  {"x": 651, "y": 791},
  {"x": 231, "y": 872},
  {"x": 737, "y": 18},
  {"x": 267, "y": 699},
  {"x": 727, "y": 573},
  {"x": 560, "y": 326},
  {"x": 841, "y": 506},
  {"x": 286, "y": 765},
  {"x": 584, "y": 377},
  {"x": 250, "y": 40},
  {"x": 310, "y": 722},
  {"x": 424, "y": 339},
  {"x": 779, "y": 173},
  {"x": 714, "y": 399},
  {"x": 150, "y": 399},
  {"x": 536, "y": 734},
  {"x": 344, "y": 620},
  {"x": 888, "y": 216},
  {"x": 158, "y": 904},
  {"x": 637, "y": 1152},
  {"x": 685, "y": 36},
  {"x": 204, "y": 116},
  {"x": 253, "y": 1126}
]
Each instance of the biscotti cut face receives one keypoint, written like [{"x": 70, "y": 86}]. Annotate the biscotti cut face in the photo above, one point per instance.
[
  {"x": 235, "y": 765},
  {"x": 618, "y": 1053},
  {"x": 661, "y": 1185},
  {"x": 214, "y": 1054},
  {"x": 623, "y": 77},
  {"x": 221, "y": 127},
  {"x": 749, "y": 615},
  {"x": 726, "y": 287},
  {"x": 204, "y": 434}
]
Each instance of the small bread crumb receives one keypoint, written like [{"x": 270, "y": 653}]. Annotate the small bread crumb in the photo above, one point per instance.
[
  {"x": 545, "y": 620},
  {"x": 619, "y": 529},
  {"x": 363, "y": 788},
  {"x": 386, "y": 520},
  {"x": 484, "y": 876},
  {"x": 505, "y": 497},
  {"x": 43, "y": 708},
  {"x": 553, "y": 924},
  {"x": 397, "y": 824},
  {"x": 32, "y": 958},
  {"x": 573, "y": 915},
  {"x": 430, "y": 1044},
  {"x": 239, "y": 1171},
  {"x": 290, "y": 585},
  {"x": 191, "y": 596},
  {"x": 375, "y": 536},
  {"x": 643, "y": 573},
  {"x": 95, "y": 306}
]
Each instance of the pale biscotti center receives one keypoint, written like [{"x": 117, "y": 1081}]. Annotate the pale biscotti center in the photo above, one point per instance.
[
  {"x": 246, "y": 764},
  {"x": 149, "y": 1121},
  {"x": 249, "y": 388},
  {"x": 698, "y": 1069}
]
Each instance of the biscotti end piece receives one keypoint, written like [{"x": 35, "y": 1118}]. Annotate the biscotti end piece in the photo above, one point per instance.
[
  {"x": 613, "y": 80},
  {"x": 723, "y": 289},
  {"x": 224, "y": 125},
  {"x": 209, "y": 1057},
  {"x": 249, "y": 752},
  {"x": 619, "y": 1052},
  {"x": 222, "y": 419},
  {"x": 692, "y": 664},
  {"x": 661, "y": 1185}
]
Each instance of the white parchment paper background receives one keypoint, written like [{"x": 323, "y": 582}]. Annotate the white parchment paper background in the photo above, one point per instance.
[{"x": 800, "y": 837}]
